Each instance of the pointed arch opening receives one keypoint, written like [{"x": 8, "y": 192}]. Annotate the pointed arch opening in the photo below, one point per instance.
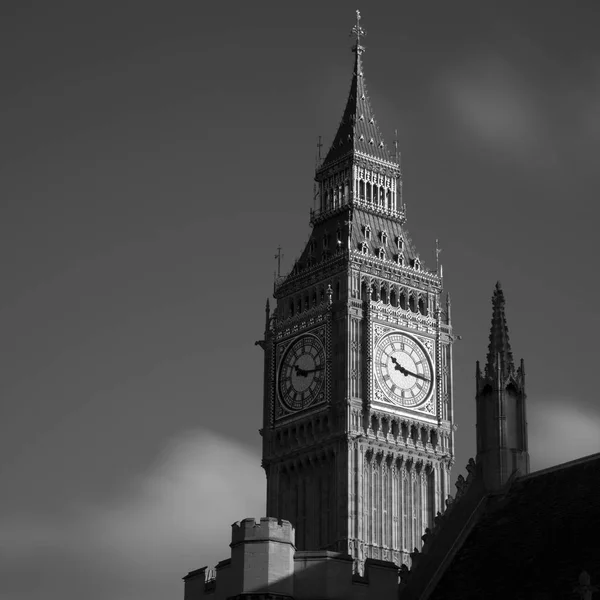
[{"x": 403, "y": 300}]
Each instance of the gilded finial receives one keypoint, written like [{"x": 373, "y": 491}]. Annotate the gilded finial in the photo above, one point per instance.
[{"x": 358, "y": 32}]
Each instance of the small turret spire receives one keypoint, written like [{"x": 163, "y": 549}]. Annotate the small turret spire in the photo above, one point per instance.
[
  {"x": 499, "y": 358},
  {"x": 500, "y": 401}
]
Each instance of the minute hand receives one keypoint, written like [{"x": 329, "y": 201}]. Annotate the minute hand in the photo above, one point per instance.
[
  {"x": 313, "y": 370},
  {"x": 404, "y": 371}
]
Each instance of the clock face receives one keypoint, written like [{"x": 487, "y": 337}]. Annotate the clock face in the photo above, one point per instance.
[
  {"x": 403, "y": 370},
  {"x": 302, "y": 373}
]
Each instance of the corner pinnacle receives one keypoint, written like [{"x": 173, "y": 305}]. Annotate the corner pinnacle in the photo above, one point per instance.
[{"x": 499, "y": 357}]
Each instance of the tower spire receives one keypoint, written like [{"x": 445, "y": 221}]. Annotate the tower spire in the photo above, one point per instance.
[
  {"x": 358, "y": 132},
  {"x": 499, "y": 358}
]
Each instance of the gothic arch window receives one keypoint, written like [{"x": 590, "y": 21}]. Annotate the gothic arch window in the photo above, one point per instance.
[
  {"x": 404, "y": 429},
  {"x": 383, "y": 295},
  {"x": 411, "y": 302},
  {"x": 399, "y": 243},
  {"x": 422, "y": 308},
  {"x": 403, "y": 300},
  {"x": 417, "y": 264},
  {"x": 383, "y": 236},
  {"x": 367, "y": 231},
  {"x": 373, "y": 293},
  {"x": 400, "y": 259},
  {"x": 381, "y": 253},
  {"x": 291, "y": 308},
  {"x": 393, "y": 298},
  {"x": 322, "y": 294},
  {"x": 314, "y": 298},
  {"x": 338, "y": 236},
  {"x": 388, "y": 196},
  {"x": 306, "y": 302},
  {"x": 382, "y": 197},
  {"x": 299, "y": 305},
  {"x": 368, "y": 192},
  {"x": 433, "y": 438},
  {"x": 361, "y": 187},
  {"x": 364, "y": 248}
]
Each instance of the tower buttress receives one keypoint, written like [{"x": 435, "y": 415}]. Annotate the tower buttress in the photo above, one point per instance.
[{"x": 501, "y": 412}]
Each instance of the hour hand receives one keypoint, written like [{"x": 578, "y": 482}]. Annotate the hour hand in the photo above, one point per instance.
[
  {"x": 304, "y": 372},
  {"x": 300, "y": 372},
  {"x": 398, "y": 366}
]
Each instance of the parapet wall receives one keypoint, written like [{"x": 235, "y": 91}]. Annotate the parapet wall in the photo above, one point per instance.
[
  {"x": 267, "y": 528},
  {"x": 264, "y": 565}
]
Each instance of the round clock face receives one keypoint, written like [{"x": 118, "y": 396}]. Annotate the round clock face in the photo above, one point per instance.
[
  {"x": 302, "y": 373},
  {"x": 403, "y": 370}
]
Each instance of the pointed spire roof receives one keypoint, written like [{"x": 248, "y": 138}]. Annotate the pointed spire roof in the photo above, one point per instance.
[
  {"x": 499, "y": 358},
  {"x": 358, "y": 131}
]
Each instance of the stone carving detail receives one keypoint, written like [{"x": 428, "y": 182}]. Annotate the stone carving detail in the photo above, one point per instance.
[
  {"x": 461, "y": 486},
  {"x": 471, "y": 469},
  {"x": 585, "y": 590},
  {"x": 404, "y": 573},
  {"x": 426, "y": 535}
]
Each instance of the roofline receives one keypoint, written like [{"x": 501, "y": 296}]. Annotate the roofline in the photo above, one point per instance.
[{"x": 566, "y": 465}]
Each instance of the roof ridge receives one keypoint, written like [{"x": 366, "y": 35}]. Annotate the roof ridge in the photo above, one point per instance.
[{"x": 565, "y": 465}]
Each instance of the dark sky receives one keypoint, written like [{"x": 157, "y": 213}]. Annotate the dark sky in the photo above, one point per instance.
[{"x": 153, "y": 157}]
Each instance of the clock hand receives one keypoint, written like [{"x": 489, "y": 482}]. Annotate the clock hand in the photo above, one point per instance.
[
  {"x": 398, "y": 366},
  {"x": 313, "y": 370},
  {"x": 418, "y": 376},
  {"x": 300, "y": 372},
  {"x": 404, "y": 371},
  {"x": 304, "y": 372}
]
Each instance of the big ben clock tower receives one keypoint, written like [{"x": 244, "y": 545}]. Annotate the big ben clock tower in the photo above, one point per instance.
[{"x": 358, "y": 432}]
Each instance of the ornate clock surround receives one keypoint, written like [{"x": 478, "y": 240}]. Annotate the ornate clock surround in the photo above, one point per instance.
[
  {"x": 318, "y": 339},
  {"x": 422, "y": 402}
]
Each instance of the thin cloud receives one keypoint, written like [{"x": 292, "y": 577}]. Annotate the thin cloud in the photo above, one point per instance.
[
  {"x": 560, "y": 431},
  {"x": 492, "y": 101},
  {"x": 173, "y": 519}
]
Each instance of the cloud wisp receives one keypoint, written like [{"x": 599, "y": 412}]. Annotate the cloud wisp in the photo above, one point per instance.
[
  {"x": 559, "y": 431},
  {"x": 173, "y": 519},
  {"x": 490, "y": 99}
]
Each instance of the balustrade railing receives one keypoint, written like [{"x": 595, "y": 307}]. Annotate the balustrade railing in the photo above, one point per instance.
[{"x": 319, "y": 214}]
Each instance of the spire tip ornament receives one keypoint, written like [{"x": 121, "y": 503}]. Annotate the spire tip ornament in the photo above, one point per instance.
[{"x": 358, "y": 32}]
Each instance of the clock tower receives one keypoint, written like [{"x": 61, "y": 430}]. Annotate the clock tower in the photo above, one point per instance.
[{"x": 358, "y": 425}]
